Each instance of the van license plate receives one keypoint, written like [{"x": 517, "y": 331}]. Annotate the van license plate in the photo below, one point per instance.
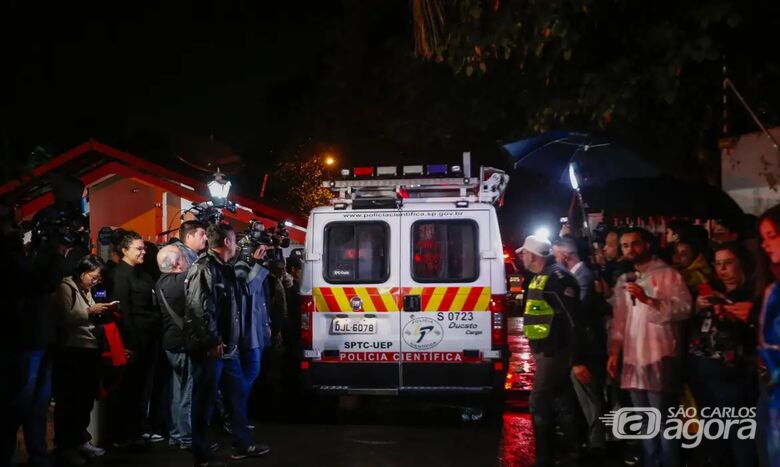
[{"x": 353, "y": 326}]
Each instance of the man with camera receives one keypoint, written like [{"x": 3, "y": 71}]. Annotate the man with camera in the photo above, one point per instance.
[
  {"x": 650, "y": 305},
  {"x": 212, "y": 330},
  {"x": 29, "y": 330},
  {"x": 251, "y": 274}
]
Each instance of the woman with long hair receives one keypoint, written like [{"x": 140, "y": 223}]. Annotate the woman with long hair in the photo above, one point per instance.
[{"x": 769, "y": 344}]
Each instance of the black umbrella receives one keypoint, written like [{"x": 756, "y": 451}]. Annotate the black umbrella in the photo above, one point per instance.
[{"x": 597, "y": 161}]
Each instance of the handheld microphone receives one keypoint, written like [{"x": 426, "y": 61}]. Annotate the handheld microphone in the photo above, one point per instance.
[{"x": 631, "y": 277}]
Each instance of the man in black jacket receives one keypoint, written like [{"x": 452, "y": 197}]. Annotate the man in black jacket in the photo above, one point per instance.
[
  {"x": 591, "y": 394},
  {"x": 170, "y": 297},
  {"x": 212, "y": 328},
  {"x": 550, "y": 323}
]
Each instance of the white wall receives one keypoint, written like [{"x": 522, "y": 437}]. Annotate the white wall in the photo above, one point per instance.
[{"x": 750, "y": 172}]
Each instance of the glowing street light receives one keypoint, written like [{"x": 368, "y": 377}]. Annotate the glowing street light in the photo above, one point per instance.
[
  {"x": 330, "y": 161},
  {"x": 219, "y": 188}
]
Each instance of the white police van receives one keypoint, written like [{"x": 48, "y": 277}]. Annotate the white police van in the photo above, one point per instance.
[{"x": 404, "y": 285}]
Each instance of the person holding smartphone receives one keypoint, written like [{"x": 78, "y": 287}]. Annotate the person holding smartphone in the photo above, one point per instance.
[
  {"x": 77, "y": 361},
  {"x": 721, "y": 348}
]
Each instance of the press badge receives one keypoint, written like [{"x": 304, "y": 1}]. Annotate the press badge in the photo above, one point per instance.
[{"x": 706, "y": 325}]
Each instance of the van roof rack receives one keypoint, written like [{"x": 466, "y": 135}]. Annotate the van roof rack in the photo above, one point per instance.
[{"x": 361, "y": 189}]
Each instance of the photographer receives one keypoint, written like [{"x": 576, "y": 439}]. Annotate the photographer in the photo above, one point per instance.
[
  {"x": 29, "y": 330},
  {"x": 255, "y": 323}
]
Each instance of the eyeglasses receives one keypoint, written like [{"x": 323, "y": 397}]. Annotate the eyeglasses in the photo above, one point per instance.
[
  {"x": 138, "y": 248},
  {"x": 93, "y": 276}
]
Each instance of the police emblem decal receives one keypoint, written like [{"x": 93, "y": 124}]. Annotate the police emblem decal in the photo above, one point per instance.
[{"x": 356, "y": 303}]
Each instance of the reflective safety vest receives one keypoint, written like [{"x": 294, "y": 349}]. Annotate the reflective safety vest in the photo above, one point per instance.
[{"x": 538, "y": 317}]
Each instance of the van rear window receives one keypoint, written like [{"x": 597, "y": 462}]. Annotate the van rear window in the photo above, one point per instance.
[
  {"x": 357, "y": 252},
  {"x": 445, "y": 251}
]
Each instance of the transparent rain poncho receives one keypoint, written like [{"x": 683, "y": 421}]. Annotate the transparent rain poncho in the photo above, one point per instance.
[{"x": 650, "y": 334}]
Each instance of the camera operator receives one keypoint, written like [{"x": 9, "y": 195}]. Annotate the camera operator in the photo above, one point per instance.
[
  {"x": 212, "y": 329},
  {"x": 255, "y": 323},
  {"x": 29, "y": 330}
]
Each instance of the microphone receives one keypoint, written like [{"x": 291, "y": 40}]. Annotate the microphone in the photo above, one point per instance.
[{"x": 631, "y": 277}]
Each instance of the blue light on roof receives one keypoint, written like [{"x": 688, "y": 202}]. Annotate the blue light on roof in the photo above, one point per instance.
[{"x": 437, "y": 169}]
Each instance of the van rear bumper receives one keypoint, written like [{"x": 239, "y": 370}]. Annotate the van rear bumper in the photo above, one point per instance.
[{"x": 391, "y": 379}]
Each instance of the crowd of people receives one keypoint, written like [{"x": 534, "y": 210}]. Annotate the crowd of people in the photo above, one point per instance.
[
  {"x": 632, "y": 320},
  {"x": 170, "y": 341}
]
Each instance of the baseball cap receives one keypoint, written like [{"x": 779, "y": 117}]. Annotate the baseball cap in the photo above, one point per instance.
[{"x": 536, "y": 245}]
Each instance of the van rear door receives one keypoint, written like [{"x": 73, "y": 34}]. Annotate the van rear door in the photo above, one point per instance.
[
  {"x": 356, "y": 295},
  {"x": 445, "y": 284}
]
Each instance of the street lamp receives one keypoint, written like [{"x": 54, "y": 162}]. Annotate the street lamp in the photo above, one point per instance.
[
  {"x": 330, "y": 160},
  {"x": 219, "y": 188}
]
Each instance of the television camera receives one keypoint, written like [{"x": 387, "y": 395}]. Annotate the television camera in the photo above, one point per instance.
[
  {"x": 65, "y": 227},
  {"x": 209, "y": 212},
  {"x": 257, "y": 234}
]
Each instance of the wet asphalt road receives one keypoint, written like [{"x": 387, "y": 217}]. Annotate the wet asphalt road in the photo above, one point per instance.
[
  {"x": 437, "y": 439},
  {"x": 375, "y": 433},
  {"x": 378, "y": 432}
]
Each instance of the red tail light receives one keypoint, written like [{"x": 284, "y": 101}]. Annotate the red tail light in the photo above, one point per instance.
[
  {"x": 497, "y": 308},
  {"x": 307, "y": 310}
]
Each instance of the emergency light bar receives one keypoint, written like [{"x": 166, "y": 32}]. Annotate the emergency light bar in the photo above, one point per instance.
[{"x": 444, "y": 184}]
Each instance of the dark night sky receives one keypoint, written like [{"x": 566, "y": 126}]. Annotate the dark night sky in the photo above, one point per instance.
[
  {"x": 265, "y": 79},
  {"x": 137, "y": 76}
]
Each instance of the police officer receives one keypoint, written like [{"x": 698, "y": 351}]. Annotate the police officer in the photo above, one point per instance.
[{"x": 552, "y": 298}]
